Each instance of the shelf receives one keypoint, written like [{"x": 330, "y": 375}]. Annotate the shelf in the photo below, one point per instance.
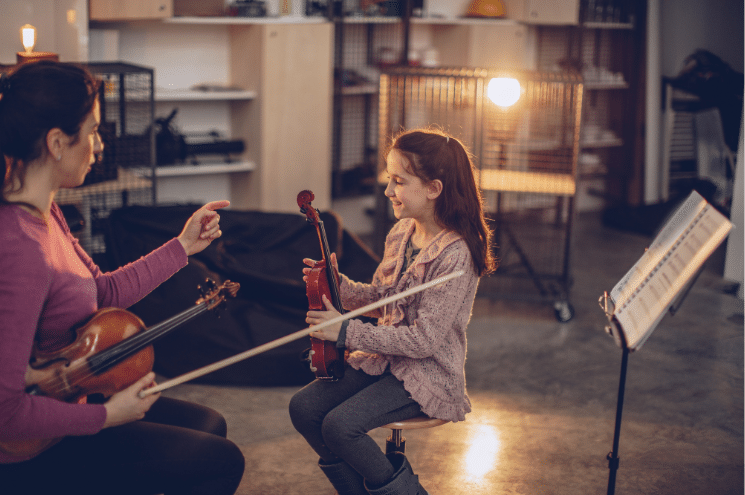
[
  {"x": 599, "y": 85},
  {"x": 127, "y": 180},
  {"x": 529, "y": 182},
  {"x": 288, "y": 19},
  {"x": 602, "y": 143},
  {"x": 362, "y": 89},
  {"x": 358, "y": 19},
  {"x": 201, "y": 169},
  {"x": 592, "y": 176},
  {"x": 608, "y": 25},
  {"x": 463, "y": 21},
  {"x": 163, "y": 94}
]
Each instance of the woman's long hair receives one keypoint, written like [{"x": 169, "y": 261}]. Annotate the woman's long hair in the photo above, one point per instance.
[
  {"x": 432, "y": 155},
  {"x": 35, "y": 98}
]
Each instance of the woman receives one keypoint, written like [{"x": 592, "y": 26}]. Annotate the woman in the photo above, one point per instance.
[{"x": 49, "y": 118}]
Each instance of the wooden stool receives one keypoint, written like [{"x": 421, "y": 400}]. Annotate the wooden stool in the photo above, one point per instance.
[{"x": 396, "y": 442}]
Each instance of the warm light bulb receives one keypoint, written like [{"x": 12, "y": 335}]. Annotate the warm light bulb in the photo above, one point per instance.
[
  {"x": 28, "y": 37},
  {"x": 503, "y": 91}
]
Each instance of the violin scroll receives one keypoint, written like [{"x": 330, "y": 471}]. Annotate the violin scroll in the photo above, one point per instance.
[
  {"x": 213, "y": 296},
  {"x": 304, "y": 199}
]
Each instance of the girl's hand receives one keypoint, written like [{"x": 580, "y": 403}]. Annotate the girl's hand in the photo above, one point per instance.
[
  {"x": 126, "y": 406},
  {"x": 202, "y": 228},
  {"x": 330, "y": 333},
  {"x": 311, "y": 263}
]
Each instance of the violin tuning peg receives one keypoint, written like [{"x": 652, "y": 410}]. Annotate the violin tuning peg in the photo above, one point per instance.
[{"x": 208, "y": 286}]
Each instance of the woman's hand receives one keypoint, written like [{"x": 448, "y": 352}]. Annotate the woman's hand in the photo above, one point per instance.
[
  {"x": 315, "y": 317},
  {"x": 202, "y": 228},
  {"x": 126, "y": 406}
]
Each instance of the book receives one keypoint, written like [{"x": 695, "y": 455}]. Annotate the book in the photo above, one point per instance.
[{"x": 664, "y": 272}]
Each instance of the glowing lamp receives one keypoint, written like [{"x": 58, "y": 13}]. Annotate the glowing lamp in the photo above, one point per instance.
[
  {"x": 503, "y": 91},
  {"x": 503, "y": 116},
  {"x": 28, "y": 37},
  {"x": 28, "y": 40}
]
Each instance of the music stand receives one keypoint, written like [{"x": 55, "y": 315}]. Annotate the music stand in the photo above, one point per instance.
[{"x": 658, "y": 284}]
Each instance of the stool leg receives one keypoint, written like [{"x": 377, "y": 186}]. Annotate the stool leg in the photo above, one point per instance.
[{"x": 395, "y": 442}]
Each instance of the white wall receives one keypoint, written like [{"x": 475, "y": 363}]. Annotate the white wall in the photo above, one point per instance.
[
  {"x": 734, "y": 268},
  {"x": 714, "y": 25},
  {"x": 62, "y": 27}
]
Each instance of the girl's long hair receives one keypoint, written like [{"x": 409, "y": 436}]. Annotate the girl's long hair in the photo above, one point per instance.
[
  {"x": 432, "y": 155},
  {"x": 35, "y": 98}
]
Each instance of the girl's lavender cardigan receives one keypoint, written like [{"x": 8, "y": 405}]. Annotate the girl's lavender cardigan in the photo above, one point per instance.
[{"x": 422, "y": 337}]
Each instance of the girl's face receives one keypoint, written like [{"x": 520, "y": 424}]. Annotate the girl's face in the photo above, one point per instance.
[
  {"x": 410, "y": 196},
  {"x": 78, "y": 156}
]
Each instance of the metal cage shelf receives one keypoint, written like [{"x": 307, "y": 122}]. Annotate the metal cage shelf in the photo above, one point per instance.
[{"x": 526, "y": 156}]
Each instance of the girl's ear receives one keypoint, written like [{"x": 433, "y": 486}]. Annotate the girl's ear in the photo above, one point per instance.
[
  {"x": 434, "y": 189},
  {"x": 56, "y": 139}
]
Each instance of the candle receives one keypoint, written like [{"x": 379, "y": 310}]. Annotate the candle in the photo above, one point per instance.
[{"x": 28, "y": 40}]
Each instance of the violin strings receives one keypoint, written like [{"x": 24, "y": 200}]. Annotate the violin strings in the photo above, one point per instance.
[
  {"x": 125, "y": 348},
  {"x": 331, "y": 278},
  {"x": 140, "y": 340}
]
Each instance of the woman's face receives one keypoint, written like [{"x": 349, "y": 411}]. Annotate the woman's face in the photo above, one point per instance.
[{"x": 78, "y": 155}]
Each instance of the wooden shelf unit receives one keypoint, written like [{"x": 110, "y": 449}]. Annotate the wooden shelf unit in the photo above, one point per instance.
[{"x": 282, "y": 112}]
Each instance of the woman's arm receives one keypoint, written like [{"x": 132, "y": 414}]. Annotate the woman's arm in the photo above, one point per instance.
[
  {"x": 24, "y": 284},
  {"x": 130, "y": 283}
]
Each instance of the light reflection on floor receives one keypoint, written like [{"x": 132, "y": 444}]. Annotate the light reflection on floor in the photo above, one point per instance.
[{"x": 483, "y": 454}]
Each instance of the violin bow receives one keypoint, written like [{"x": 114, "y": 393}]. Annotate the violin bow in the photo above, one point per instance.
[{"x": 294, "y": 336}]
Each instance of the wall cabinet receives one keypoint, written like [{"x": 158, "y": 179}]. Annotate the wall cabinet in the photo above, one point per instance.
[
  {"x": 472, "y": 42},
  {"x": 545, "y": 12},
  {"x": 129, "y": 10}
]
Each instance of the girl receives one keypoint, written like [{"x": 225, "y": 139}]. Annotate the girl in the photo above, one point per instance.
[
  {"x": 49, "y": 118},
  {"x": 412, "y": 361}
]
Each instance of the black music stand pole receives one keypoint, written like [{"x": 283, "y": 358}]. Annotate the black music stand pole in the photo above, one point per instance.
[{"x": 613, "y": 455}]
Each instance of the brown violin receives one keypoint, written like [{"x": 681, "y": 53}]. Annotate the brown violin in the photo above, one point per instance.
[
  {"x": 326, "y": 362},
  {"x": 111, "y": 351}
]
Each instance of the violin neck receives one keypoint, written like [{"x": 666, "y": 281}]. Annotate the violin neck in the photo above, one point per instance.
[
  {"x": 333, "y": 281},
  {"x": 130, "y": 346}
]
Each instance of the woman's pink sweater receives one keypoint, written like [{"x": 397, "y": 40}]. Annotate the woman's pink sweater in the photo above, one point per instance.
[
  {"x": 47, "y": 285},
  {"x": 422, "y": 337}
]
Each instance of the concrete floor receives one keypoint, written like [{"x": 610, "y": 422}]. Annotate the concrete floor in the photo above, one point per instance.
[{"x": 544, "y": 399}]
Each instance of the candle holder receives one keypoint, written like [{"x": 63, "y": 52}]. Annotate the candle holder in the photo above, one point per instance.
[{"x": 24, "y": 58}]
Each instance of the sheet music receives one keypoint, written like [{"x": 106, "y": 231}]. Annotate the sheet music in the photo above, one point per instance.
[{"x": 642, "y": 297}]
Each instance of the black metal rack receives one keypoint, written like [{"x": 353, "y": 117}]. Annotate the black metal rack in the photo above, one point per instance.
[{"x": 125, "y": 174}]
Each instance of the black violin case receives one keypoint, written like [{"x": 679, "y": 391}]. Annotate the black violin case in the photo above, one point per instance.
[{"x": 261, "y": 251}]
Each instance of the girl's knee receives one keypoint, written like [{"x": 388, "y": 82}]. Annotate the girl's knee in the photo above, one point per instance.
[
  {"x": 336, "y": 431},
  {"x": 300, "y": 412},
  {"x": 217, "y": 425}
]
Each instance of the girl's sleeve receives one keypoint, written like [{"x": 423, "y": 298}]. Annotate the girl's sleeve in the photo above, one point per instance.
[
  {"x": 438, "y": 309},
  {"x": 356, "y": 295}
]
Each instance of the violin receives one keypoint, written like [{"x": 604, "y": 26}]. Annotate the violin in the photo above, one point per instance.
[
  {"x": 111, "y": 351},
  {"x": 323, "y": 279}
]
